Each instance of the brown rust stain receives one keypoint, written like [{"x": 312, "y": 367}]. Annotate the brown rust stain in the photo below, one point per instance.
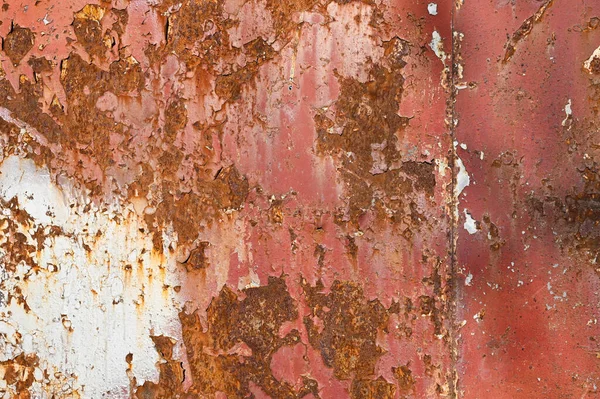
[
  {"x": 362, "y": 135},
  {"x": 172, "y": 373},
  {"x": 88, "y": 128},
  {"x": 434, "y": 305},
  {"x": 406, "y": 381},
  {"x": 175, "y": 118},
  {"x": 17, "y": 43},
  {"x": 87, "y": 132},
  {"x": 372, "y": 389},
  {"x": 343, "y": 325},
  {"x": 19, "y": 373},
  {"x": 233, "y": 353},
  {"x": 582, "y": 211},
  {"x": 198, "y": 258},
  {"x": 524, "y": 30},
  {"x": 493, "y": 233},
  {"x": 87, "y": 26},
  {"x": 40, "y": 64},
  {"x": 229, "y": 86},
  {"x": 18, "y": 247},
  {"x": 210, "y": 200},
  {"x": 230, "y": 351}
]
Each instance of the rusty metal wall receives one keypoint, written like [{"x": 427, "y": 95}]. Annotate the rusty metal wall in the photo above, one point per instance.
[
  {"x": 299, "y": 199},
  {"x": 529, "y": 234}
]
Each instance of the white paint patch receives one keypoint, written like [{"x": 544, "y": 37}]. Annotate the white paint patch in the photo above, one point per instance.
[
  {"x": 432, "y": 8},
  {"x": 470, "y": 225},
  {"x": 438, "y": 46},
  {"x": 587, "y": 65},
  {"x": 462, "y": 177},
  {"x": 568, "y": 112},
  {"x": 469, "y": 279},
  {"x": 36, "y": 194},
  {"x": 99, "y": 292}
]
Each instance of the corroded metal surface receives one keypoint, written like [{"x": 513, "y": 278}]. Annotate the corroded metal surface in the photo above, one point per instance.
[
  {"x": 528, "y": 234},
  {"x": 305, "y": 198},
  {"x": 223, "y": 198}
]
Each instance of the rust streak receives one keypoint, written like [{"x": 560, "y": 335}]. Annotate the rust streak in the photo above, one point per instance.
[{"x": 524, "y": 30}]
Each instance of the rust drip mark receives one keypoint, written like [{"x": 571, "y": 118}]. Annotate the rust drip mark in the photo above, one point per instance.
[
  {"x": 233, "y": 354},
  {"x": 17, "y": 43},
  {"x": 524, "y": 30}
]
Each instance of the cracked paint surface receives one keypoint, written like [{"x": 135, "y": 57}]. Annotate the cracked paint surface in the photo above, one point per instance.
[{"x": 268, "y": 199}]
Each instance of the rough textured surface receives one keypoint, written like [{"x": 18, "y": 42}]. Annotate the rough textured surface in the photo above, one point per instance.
[
  {"x": 529, "y": 297},
  {"x": 251, "y": 199}
]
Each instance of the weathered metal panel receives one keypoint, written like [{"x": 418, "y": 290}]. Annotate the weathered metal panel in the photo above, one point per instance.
[
  {"x": 303, "y": 198},
  {"x": 225, "y": 198},
  {"x": 528, "y": 235}
]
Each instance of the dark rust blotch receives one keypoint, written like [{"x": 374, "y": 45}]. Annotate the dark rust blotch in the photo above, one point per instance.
[{"x": 17, "y": 43}]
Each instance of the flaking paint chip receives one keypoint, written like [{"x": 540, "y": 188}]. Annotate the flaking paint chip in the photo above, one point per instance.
[{"x": 432, "y": 8}]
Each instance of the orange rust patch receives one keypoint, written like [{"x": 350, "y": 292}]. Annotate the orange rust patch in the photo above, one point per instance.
[
  {"x": 372, "y": 389},
  {"x": 406, "y": 381},
  {"x": 234, "y": 352},
  {"x": 226, "y": 192},
  {"x": 363, "y": 135},
  {"x": 350, "y": 325},
  {"x": 18, "y": 372}
]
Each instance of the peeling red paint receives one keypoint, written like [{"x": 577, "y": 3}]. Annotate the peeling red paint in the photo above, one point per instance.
[
  {"x": 529, "y": 306},
  {"x": 267, "y": 199}
]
